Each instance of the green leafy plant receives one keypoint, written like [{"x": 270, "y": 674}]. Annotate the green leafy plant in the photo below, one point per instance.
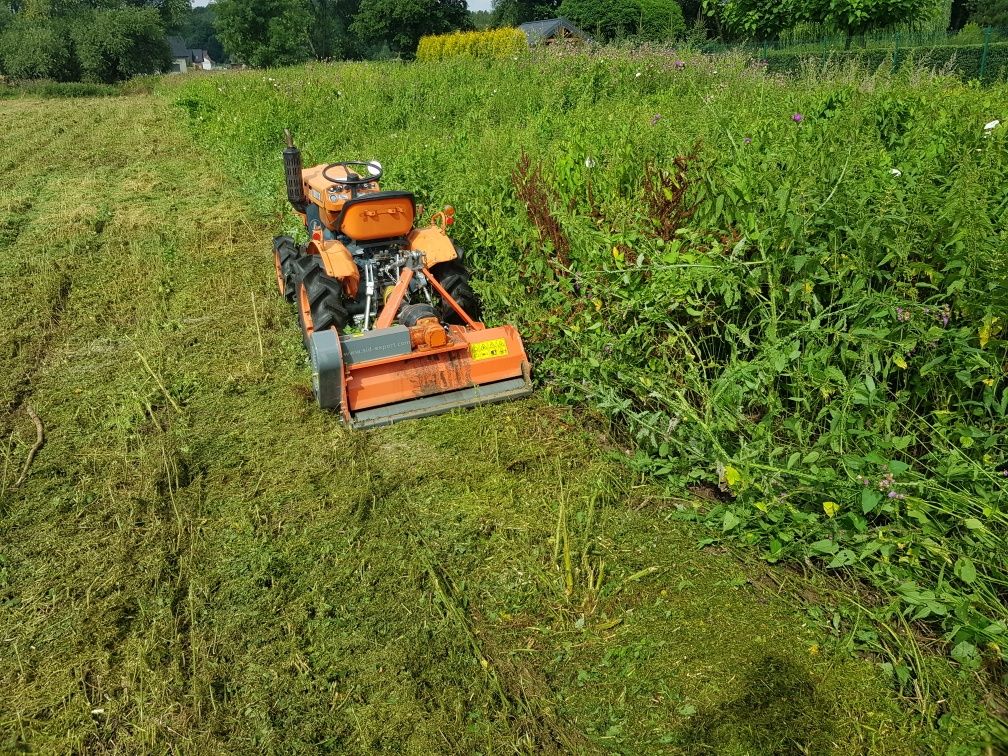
[{"x": 788, "y": 297}]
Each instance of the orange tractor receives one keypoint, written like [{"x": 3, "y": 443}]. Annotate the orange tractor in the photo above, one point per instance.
[{"x": 390, "y": 321}]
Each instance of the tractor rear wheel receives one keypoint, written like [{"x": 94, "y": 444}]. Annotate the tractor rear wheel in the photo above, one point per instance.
[
  {"x": 454, "y": 277},
  {"x": 285, "y": 258},
  {"x": 319, "y": 299}
]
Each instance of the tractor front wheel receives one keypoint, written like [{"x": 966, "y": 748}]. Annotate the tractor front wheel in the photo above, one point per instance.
[{"x": 319, "y": 299}]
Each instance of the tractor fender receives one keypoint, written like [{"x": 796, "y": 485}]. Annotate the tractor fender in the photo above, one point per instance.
[
  {"x": 434, "y": 243},
  {"x": 338, "y": 263}
]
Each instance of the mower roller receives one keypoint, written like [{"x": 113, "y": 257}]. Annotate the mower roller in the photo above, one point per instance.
[{"x": 390, "y": 322}]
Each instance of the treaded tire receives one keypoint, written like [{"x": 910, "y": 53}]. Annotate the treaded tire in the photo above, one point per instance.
[
  {"x": 285, "y": 262},
  {"x": 320, "y": 299},
  {"x": 454, "y": 277}
]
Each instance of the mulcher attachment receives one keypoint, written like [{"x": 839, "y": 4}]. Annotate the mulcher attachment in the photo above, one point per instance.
[
  {"x": 379, "y": 377},
  {"x": 396, "y": 372}
]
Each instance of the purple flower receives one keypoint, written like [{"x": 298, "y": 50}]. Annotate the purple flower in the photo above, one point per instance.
[{"x": 797, "y": 118}]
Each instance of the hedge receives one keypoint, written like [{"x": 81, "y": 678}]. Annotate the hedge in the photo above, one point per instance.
[
  {"x": 493, "y": 43},
  {"x": 965, "y": 60}
]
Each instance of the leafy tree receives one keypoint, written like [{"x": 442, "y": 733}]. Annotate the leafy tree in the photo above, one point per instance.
[
  {"x": 603, "y": 18},
  {"x": 117, "y": 44},
  {"x": 991, "y": 13},
  {"x": 959, "y": 13},
  {"x": 265, "y": 32},
  {"x": 481, "y": 19},
  {"x": 758, "y": 19},
  {"x": 201, "y": 34},
  {"x": 860, "y": 16},
  {"x": 173, "y": 12},
  {"x": 652, "y": 19},
  {"x": 34, "y": 47},
  {"x": 330, "y": 29},
  {"x": 661, "y": 19},
  {"x": 692, "y": 10},
  {"x": 514, "y": 12},
  {"x": 400, "y": 23}
]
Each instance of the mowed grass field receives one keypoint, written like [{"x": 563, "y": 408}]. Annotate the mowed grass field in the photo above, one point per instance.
[{"x": 200, "y": 561}]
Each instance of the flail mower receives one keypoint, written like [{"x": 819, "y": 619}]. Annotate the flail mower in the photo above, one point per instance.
[{"x": 389, "y": 319}]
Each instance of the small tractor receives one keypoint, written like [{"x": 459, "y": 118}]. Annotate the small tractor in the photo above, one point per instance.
[{"x": 389, "y": 319}]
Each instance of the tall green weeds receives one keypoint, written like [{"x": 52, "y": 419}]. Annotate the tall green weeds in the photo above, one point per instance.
[{"x": 791, "y": 293}]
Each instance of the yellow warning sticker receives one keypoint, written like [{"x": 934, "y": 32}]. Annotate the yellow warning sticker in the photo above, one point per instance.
[{"x": 485, "y": 350}]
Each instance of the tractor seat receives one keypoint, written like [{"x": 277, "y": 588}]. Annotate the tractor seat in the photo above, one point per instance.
[{"x": 377, "y": 216}]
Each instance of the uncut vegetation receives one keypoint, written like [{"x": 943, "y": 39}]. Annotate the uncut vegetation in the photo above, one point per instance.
[
  {"x": 789, "y": 294},
  {"x": 492, "y": 43}
]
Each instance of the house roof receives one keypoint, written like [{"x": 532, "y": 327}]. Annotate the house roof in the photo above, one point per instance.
[
  {"x": 178, "y": 47},
  {"x": 537, "y": 31}
]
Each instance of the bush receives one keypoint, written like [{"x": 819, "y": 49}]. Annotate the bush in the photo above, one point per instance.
[
  {"x": 964, "y": 60},
  {"x": 69, "y": 89},
  {"x": 113, "y": 45},
  {"x": 603, "y": 19},
  {"x": 991, "y": 13},
  {"x": 661, "y": 20},
  {"x": 970, "y": 34},
  {"x": 495, "y": 43},
  {"x": 34, "y": 48}
]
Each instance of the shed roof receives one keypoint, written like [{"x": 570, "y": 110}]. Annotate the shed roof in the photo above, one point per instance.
[
  {"x": 179, "y": 49},
  {"x": 537, "y": 31}
]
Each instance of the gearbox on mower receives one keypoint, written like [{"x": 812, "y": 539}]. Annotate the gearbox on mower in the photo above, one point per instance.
[{"x": 389, "y": 319}]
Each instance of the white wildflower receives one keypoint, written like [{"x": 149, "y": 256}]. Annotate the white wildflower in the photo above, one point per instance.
[
  {"x": 989, "y": 127},
  {"x": 589, "y": 163},
  {"x": 896, "y": 172}
]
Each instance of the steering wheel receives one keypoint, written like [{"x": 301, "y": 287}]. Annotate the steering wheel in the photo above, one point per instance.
[{"x": 371, "y": 172}]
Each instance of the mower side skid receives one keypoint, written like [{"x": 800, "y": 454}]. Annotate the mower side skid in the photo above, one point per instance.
[{"x": 515, "y": 388}]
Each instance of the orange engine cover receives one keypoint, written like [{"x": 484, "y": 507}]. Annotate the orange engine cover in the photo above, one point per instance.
[{"x": 381, "y": 216}]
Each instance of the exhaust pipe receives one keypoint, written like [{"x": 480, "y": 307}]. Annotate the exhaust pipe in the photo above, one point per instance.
[{"x": 292, "y": 172}]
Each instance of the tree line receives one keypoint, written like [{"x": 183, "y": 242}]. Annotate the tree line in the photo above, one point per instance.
[{"x": 112, "y": 40}]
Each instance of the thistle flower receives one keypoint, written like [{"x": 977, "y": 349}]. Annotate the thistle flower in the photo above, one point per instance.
[
  {"x": 944, "y": 315},
  {"x": 797, "y": 118}
]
